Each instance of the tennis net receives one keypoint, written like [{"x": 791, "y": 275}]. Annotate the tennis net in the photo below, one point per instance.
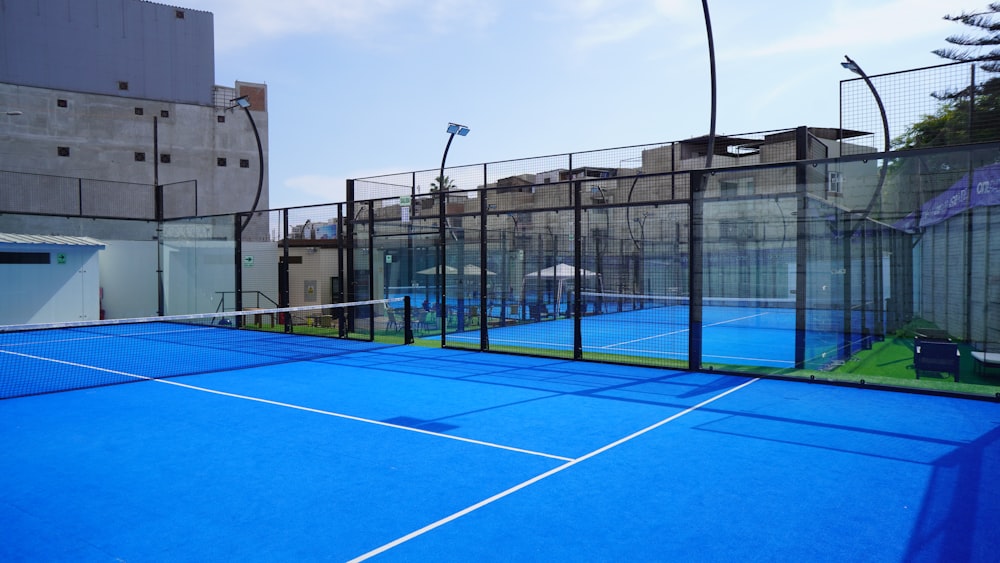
[
  {"x": 778, "y": 313},
  {"x": 45, "y": 358}
]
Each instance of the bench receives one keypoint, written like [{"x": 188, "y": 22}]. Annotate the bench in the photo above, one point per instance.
[
  {"x": 936, "y": 355},
  {"x": 985, "y": 361}
]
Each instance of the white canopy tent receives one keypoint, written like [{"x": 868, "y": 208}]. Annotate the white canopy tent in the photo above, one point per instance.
[{"x": 560, "y": 275}]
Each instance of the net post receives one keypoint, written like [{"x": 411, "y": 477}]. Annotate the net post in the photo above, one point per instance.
[{"x": 407, "y": 327}]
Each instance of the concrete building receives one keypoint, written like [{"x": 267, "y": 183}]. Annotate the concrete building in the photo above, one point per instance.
[
  {"x": 119, "y": 95},
  {"x": 101, "y": 102}
]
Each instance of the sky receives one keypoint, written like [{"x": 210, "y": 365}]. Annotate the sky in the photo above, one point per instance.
[{"x": 359, "y": 88}]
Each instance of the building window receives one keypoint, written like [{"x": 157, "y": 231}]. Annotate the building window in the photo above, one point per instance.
[
  {"x": 244, "y": 163},
  {"x": 140, "y": 157},
  {"x": 220, "y": 118},
  {"x": 63, "y": 151},
  {"x": 179, "y": 14},
  {"x": 221, "y": 161},
  {"x": 62, "y": 103},
  {"x": 123, "y": 84},
  {"x": 736, "y": 187},
  {"x": 835, "y": 183},
  {"x": 164, "y": 113},
  {"x": 165, "y": 158},
  {"x": 25, "y": 258},
  {"x": 138, "y": 111}
]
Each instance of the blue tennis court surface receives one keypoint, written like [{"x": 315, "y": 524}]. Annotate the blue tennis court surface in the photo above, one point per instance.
[
  {"x": 416, "y": 454},
  {"x": 732, "y": 335}
]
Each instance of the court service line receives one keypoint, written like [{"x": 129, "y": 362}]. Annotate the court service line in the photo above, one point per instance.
[
  {"x": 434, "y": 525},
  {"x": 301, "y": 408}
]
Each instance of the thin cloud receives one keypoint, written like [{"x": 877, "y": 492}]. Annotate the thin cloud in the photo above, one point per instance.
[
  {"x": 883, "y": 24},
  {"x": 241, "y": 22},
  {"x": 603, "y": 22}
]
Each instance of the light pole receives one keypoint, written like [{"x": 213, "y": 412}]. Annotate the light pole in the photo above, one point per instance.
[
  {"x": 696, "y": 218},
  {"x": 244, "y": 102},
  {"x": 852, "y": 66},
  {"x": 452, "y": 130},
  {"x": 711, "y": 66}
]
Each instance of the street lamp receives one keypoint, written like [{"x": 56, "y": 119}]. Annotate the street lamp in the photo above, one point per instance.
[
  {"x": 452, "y": 130},
  {"x": 244, "y": 102}
]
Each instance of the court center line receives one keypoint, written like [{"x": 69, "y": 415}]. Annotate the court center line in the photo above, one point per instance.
[
  {"x": 300, "y": 408},
  {"x": 683, "y": 330},
  {"x": 485, "y": 502}
]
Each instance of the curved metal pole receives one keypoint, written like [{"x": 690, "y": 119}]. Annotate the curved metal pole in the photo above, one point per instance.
[
  {"x": 451, "y": 137},
  {"x": 854, "y": 67},
  {"x": 711, "y": 63},
  {"x": 260, "y": 173},
  {"x": 442, "y": 235}
]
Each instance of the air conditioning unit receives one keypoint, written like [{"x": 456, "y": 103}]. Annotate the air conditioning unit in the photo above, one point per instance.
[{"x": 834, "y": 182}]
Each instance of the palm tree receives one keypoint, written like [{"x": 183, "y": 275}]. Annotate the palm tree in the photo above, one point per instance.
[{"x": 442, "y": 183}]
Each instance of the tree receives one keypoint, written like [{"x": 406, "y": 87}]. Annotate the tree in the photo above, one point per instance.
[
  {"x": 977, "y": 105},
  {"x": 983, "y": 21},
  {"x": 969, "y": 114},
  {"x": 442, "y": 183}
]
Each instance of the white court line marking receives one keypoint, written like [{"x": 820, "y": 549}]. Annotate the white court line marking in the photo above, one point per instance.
[
  {"x": 537, "y": 478},
  {"x": 300, "y": 408}
]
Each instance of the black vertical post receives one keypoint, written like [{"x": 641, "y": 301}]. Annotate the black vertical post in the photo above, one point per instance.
[
  {"x": 696, "y": 236},
  {"x": 158, "y": 212},
  {"x": 238, "y": 270},
  {"x": 371, "y": 269},
  {"x": 578, "y": 270},
  {"x": 484, "y": 249},
  {"x": 284, "y": 287},
  {"x": 801, "y": 245},
  {"x": 342, "y": 246},
  {"x": 407, "y": 318},
  {"x": 443, "y": 234},
  {"x": 160, "y": 295},
  {"x": 348, "y": 244}
]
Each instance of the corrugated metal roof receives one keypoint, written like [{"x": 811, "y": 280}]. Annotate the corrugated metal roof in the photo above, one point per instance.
[{"x": 51, "y": 240}]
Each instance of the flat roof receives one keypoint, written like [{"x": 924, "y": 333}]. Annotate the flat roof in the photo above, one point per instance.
[{"x": 48, "y": 240}]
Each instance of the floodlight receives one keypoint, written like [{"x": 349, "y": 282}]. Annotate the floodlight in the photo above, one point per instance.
[
  {"x": 456, "y": 129},
  {"x": 243, "y": 101},
  {"x": 851, "y": 66}
]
